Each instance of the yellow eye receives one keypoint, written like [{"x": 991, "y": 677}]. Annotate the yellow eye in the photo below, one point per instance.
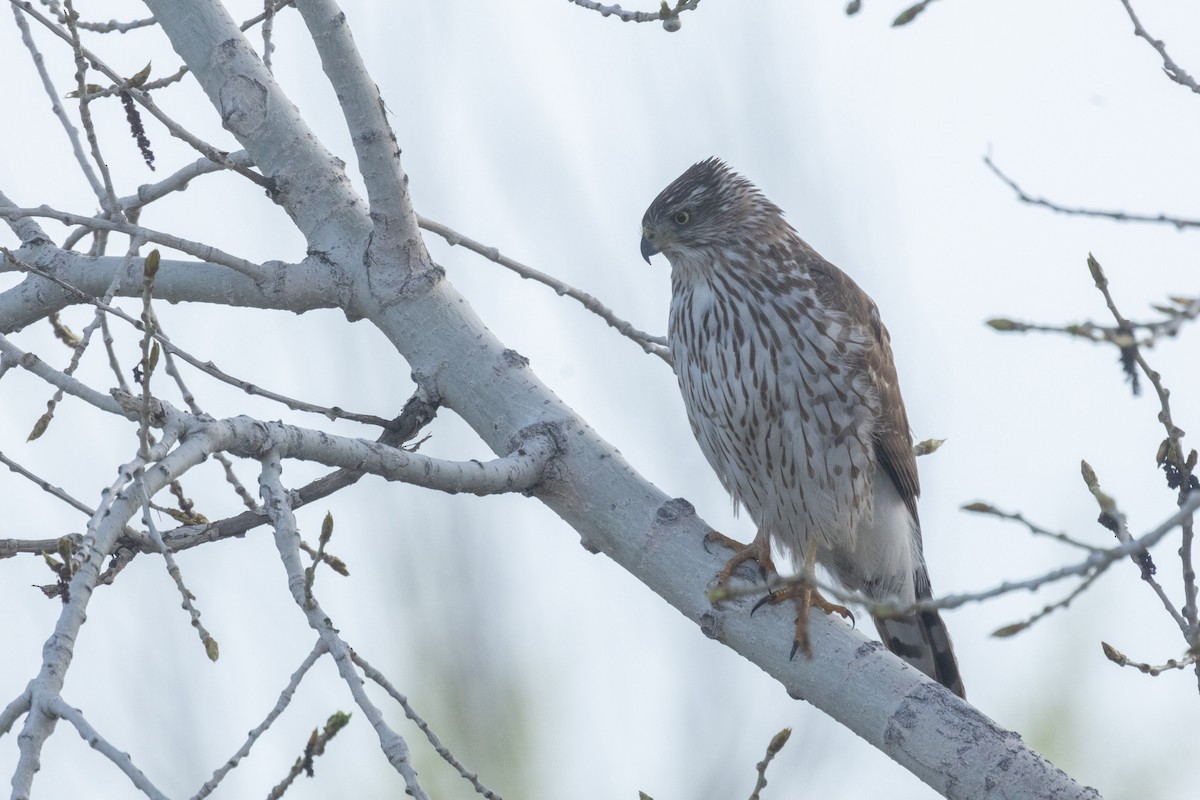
[{"x": 682, "y": 218}]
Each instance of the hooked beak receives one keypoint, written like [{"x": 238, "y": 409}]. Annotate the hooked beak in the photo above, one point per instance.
[{"x": 648, "y": 249}]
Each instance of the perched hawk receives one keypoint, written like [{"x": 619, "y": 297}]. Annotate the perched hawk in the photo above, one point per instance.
[{"x": 788, "y": 379}]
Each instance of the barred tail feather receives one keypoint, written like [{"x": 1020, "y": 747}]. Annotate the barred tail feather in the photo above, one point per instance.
[{"x": 922, "y": 640}]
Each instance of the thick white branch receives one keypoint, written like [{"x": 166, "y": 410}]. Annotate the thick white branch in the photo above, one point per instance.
[
  {"x": 521, "y": 470},
  {"x": 203, "y": 252},
  {"x": 394, "y": 223},
  {"x": 309, "y": 183},
  {"x": 309, "y": 285},
  {"x": 104, "y": 530},
  {"x": 942, "y": 740}
]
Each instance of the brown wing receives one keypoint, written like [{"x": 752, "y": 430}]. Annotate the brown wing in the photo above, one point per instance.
[{"x": 893, "y": 439}]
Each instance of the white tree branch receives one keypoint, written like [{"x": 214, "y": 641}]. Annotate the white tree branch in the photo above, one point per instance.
[
  {"x": 79, "y": 278},
  {"x": 251, "y": 438},
  {"x": 275, "y": 500},
  {"x": 409, "y": 712},
  {"x": 394, "y": 223},
  {"x": 203, "y": 252},
  {"x": 285, "y": 697},
  {"x": 655, "y": 345},
  {"x": 59, "y": 708},
  {"x": 106, "y": 526},
  {"x": 62, "y": 381},
  {"x": 945, "y": 742}
]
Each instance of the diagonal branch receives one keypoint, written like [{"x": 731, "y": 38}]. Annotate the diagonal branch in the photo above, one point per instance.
[
  {"x": 394, "y": 223},
  {"x": 1180, "y": 223},
  {"x": 285, "y": 697},
  {"x": 275, "y": 499},
  {"x": 654, "y": 345},
  {"x": 61, "y": 710},
  {"x": 528, "y": 461},
  {"x": 1173, "y": 70},
  {"x": 943, "y": 741}
]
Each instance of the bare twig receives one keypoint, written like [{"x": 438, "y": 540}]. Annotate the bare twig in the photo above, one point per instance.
[
  {"x": 45, "y": 486},
  {"x": 1017, "y": 627},
  {"x": 441, "y": 749},
  {"x": 776, "y": 744},
  {"x": 58, "y": 708},
  {"x": 1034, "y": 528},
  {"x": 417, "y": 413},
  {"x": 1120, "y": 659},
  {"x": 277, "y": 504},
  {"x": 56, "y": 106},
  {"x": 179, "y": 181},
  {"x": 1096, "y": 562},
  {"x": 1119, "y": 216},
  {"x": 1180, "y": 311},
  {"x": 285, "y": 697},
  {"x": 108, "y": 197},
  {"x": 1173, "y": 70},
  {"x": 315, "y": 746},
  {"x": 142, "y": 96},
  {"x": 201, "y": 251},
  {"x": 655, "y": 345},
  {"x": 207, "y": 367},
  {"x": 668, "y": 14}
]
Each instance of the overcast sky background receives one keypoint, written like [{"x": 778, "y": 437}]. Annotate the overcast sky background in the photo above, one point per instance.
[{"x": 545, "y": 130}]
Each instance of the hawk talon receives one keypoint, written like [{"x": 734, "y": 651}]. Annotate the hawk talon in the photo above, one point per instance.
[
  {"x": 806, "y": 597},
  {"x": 758, "y": 551}
]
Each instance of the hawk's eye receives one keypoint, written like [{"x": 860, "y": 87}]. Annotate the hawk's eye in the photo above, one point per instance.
[{"x": 682, "y": 218}]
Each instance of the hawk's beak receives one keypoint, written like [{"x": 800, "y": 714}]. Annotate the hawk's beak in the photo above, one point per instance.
[{"x": 648, "y": 249}]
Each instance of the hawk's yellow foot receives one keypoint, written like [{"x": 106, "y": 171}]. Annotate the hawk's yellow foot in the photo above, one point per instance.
[
  {"x": 806, "y": 597},
  {"x": 758, "y": 551}
]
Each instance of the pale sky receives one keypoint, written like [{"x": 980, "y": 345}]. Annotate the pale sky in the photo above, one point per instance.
[{"x": 545, "y": 130}]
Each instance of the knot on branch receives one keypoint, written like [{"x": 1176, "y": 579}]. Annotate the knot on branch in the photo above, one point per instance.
[
  {"x": 514, "y": 359},
  {"x": 132, "y": 406},
  {"x": 543, "y": 440},
  {"x": 674, "y": 510}
]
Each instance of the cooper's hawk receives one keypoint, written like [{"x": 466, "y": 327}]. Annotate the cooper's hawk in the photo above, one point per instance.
[{"x": 787, "y": 375}]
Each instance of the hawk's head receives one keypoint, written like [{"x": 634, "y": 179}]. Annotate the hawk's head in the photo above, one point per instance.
[{"x": 708, "y": 206}]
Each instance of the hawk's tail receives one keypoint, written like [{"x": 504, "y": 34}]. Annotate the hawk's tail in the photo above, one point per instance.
[{"x": 922, "y": 640}]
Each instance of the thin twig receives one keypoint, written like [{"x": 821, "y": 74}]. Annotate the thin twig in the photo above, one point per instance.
[
  {"x": 45, "y": 486},
  {"x": 60, "y": 709},
  {"x": 409, "y": 712},
  {"x": 1173, "y": 70},
  {"x": 285, "y": 697},
  {"x": 1034, "y": 528},
  {"x": 1119, "y": 216},
  {"x": 417, "y": 413},
  {"x": 204, "y": 252},
  {"x": 143, "y": 97},
  {"x": 315, "y": 746},
  {"x": 1120, "y": 659},
  {"x": 277, "y": 502},
  {"x": 207, "y": 367},
  {"x": 654, "y": 345},
  {"x": 1096, "y": 562},
  {"x": 56, "y": 105},
  {"x": 776, "y": 744},
  {"x": 1016, "y": 627},
  {"x": 665, "y": 13},
  {"x": 108, "y": 198}
]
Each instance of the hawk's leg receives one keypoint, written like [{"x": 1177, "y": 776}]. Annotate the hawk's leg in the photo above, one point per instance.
[
  {"x": 804, "y": 593},
  {"x": 759, "y": 551}
]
